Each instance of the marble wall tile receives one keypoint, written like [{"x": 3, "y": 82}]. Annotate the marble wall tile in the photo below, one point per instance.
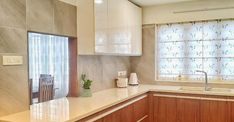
[
  {"x": 13, "y": 13},
  {"x": 144, "y": 66},
  {"x": 13, "y": 40},
  {"x": 13, "y": 79},
  {"x": 65, "y": 19},
  {"x": 102, "y": 70},
  {"x": 40, "y": 15},
  {"x": 13, "y": 89}
]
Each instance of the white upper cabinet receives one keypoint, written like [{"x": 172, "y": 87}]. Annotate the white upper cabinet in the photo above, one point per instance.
[{"x": 116, "y": 28}]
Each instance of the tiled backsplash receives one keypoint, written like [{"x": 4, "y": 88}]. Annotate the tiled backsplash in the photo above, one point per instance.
[{"x": 102, "y": 70}]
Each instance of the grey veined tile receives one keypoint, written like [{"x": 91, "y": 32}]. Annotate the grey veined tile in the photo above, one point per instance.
[
  {"x": 13, "y": 40},
  {"x": 65, "y": 21},
  {"x": 13, "y": 13},
  {"x": 13, "y": 90},
  {"x": 40, "y": 15}
]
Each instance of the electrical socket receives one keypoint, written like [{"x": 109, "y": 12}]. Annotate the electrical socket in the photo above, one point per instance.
[{"x": 122, "y": 73}]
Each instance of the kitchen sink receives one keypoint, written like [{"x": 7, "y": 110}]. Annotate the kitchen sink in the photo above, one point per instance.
[{"x": 202, "y": 89}]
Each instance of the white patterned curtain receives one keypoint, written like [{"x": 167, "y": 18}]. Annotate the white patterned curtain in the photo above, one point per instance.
[
  {"x": 49, "y": 54},
  {"x": 187, "y": 47}
]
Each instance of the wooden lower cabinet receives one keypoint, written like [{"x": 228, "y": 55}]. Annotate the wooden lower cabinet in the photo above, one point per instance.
[
  {"x": 135, "y": 110},
  {"x": 113, "y": 117},
  {"x": 214, "y": 111},
  {"x": 127, "y": 114},
  {"x": 180, "y": 108},
  {"x": 165, "y": 109},
  {"x": 188, "y": 110},
  {"x": 141, "y": 110},
  {"x": 231, "y": 110}
]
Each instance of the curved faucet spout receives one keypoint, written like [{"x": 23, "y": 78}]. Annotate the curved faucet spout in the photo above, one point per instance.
[{"x": 206, "y": 79}]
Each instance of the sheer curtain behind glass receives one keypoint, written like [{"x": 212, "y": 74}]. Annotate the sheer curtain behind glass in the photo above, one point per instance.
[
  {"x": 49, "y": 54},
  {"x": 186, "y": 47}
]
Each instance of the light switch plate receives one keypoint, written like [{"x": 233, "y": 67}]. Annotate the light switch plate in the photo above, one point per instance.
[
  {"x": 122, "y": 73},
  {"x": 12, "y": 60}
]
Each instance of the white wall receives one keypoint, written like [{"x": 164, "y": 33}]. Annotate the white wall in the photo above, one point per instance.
[{"x": 165, "y": 13}]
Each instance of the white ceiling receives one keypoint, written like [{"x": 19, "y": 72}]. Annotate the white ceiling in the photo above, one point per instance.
[{"x": 157, "y": 2}]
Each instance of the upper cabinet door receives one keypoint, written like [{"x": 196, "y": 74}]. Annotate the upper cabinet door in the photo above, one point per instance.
[
  {"x": 135, "y": 28},
  {"x": 101, "y": 26},
  {"x": 109, "y": 27},
  {"x": 124, "y": 28}
]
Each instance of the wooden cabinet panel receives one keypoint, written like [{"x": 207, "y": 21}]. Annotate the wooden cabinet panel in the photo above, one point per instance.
[
  {"x": 214, "y": 111},
  {"x": 113, "y": 117},
  {"x": 231, "y": 110},
  {"x": 126, "y": 114},
  {"x": 188, "y": 110},
  {"x": 165, "y": 109},
  {"x": 140, "y": 109}
]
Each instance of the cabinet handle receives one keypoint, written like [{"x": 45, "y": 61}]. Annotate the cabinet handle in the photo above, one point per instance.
[
  {"x": 177, "y": 96},
  {"x": 115, "y": 109},
  {"x": 142, "y": 118},
  {"x": 162, "y": 95},
  {"x": 194, "y": 98},
  {"x": 214, "y": 99}
]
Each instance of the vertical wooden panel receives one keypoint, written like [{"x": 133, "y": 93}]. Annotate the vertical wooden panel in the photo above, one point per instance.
[
  {"x": 231, "y": 110},
  {"x": 214, "y": 111},
  {"x": 73, "y": 82},
  {"x": 114, "y": 117},
  {"x": 151, "y": 107},
  {"x": 165, "y": 109},
  {"x": 188, "y": 110},
  {"x": 140, "y": 108},
  {"x": 127, "y": 114}
]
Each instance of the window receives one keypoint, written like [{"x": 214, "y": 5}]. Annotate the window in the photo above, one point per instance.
[
  {"x": 187, "y": 47},
  {"x": 49, "y": 54}
]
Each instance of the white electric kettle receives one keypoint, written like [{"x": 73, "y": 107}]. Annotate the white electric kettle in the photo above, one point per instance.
[{"x": 133, "y": 80}]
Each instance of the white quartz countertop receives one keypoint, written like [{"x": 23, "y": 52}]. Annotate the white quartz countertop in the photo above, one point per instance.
[{"x": 73, "y": 109}]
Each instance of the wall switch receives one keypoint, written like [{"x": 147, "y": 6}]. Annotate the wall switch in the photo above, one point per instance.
[
  {"x": 12, "y": 60},
  {"x": 122, "y": 73}
]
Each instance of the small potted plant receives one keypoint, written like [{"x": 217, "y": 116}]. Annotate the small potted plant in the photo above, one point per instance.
[{"x": 86, "y": 86}]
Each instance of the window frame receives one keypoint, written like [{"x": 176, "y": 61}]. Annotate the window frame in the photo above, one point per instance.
[{"x": 186, "y": 80}]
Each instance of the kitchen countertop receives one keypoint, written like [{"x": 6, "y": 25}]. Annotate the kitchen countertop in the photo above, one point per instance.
[{"x": 73, "y": 109}]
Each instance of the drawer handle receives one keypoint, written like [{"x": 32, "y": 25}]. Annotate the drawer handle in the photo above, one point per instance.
[
  {"x": 175, "y": 96},
  {"x": 194, "y": 98},
  {"x": 142, "y": 118},
  {"x": 161, "y": 95}
]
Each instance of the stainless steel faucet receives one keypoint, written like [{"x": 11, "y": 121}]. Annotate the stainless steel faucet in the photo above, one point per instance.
[{"x": 206, "y": 80}]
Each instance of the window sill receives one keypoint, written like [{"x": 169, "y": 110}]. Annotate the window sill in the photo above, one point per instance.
[{"x": 195, "y": 82}]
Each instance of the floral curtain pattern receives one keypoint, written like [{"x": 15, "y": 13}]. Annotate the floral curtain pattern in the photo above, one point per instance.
[
  {"x": 187, "y": 47},
  {"x": 49, "y": 54}
]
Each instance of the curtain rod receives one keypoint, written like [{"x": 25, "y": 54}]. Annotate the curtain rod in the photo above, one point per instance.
[{"x": 202, "y": 10}]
